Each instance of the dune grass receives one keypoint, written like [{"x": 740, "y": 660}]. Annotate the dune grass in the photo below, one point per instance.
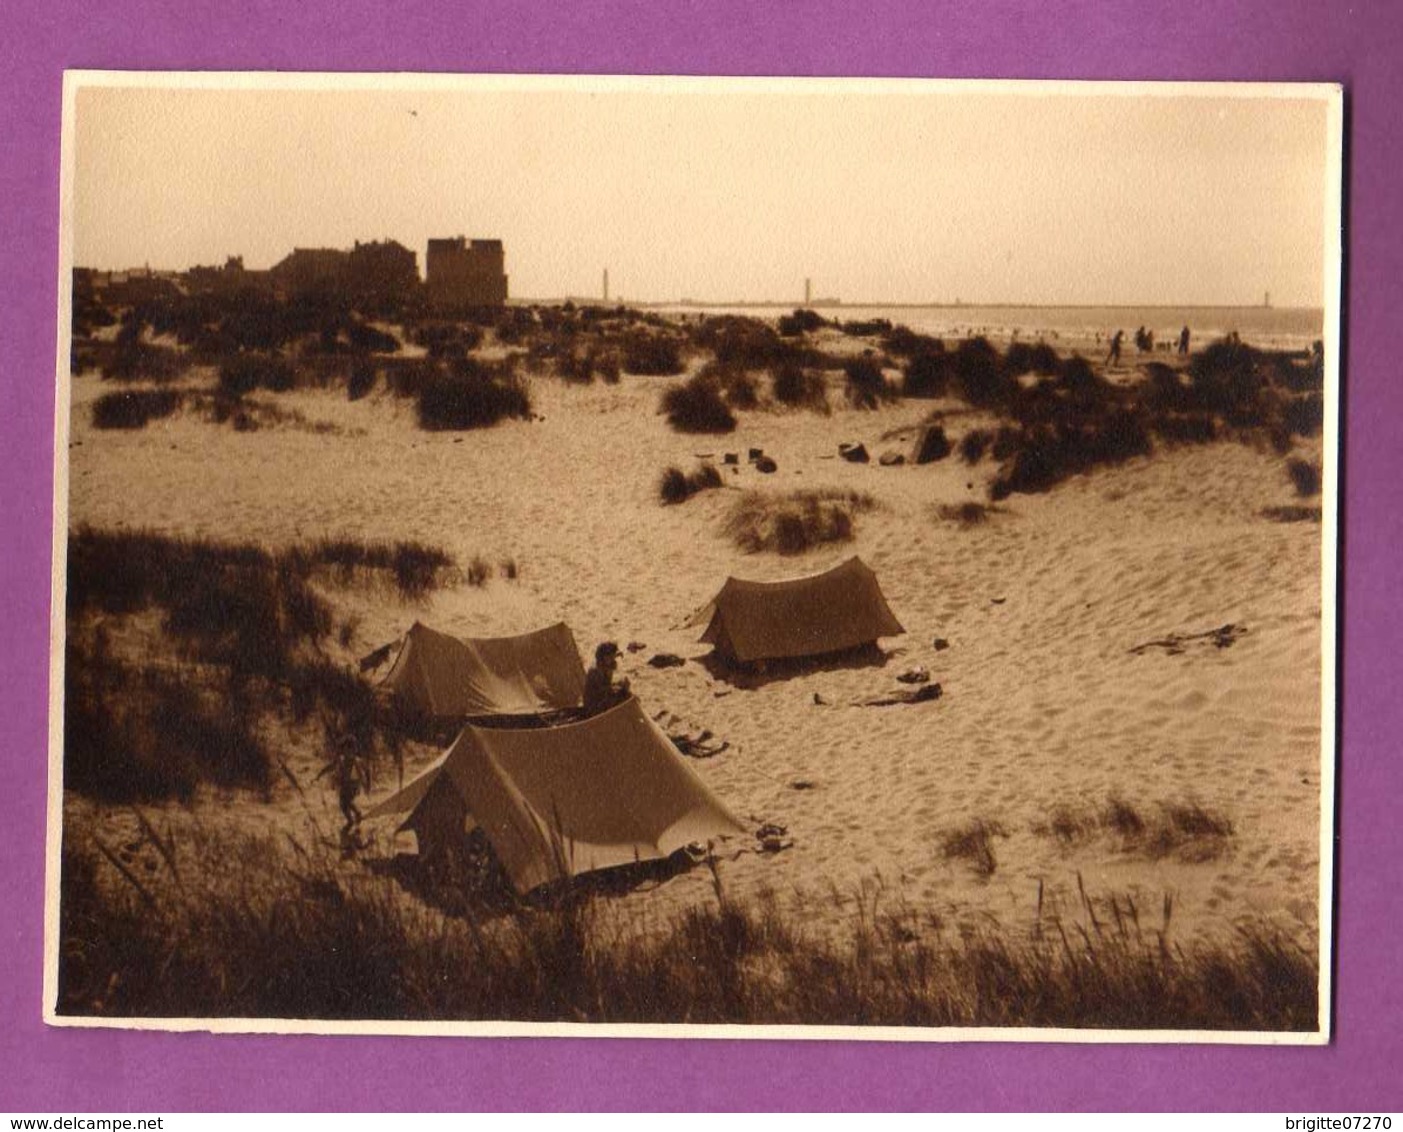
[
  {"x": 796, "y": 521},
  {"x": 242, "y": 641},
  {"x": 413, "y": 569},
  {"x": 676, "y": 486},
  {"x": 974, "y": 844},
  {"x": 162, "y": 926},
  {"x": 971, "y": 513},
  {"x": 1181, "y": 828},
  {"x": 865, "y": 385}
]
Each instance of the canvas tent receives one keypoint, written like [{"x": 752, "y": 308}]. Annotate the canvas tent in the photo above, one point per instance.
[
  {"x": 840, "y": 609},
  {"x": 443, "y": 677},
  {"x": 556, "y": 802}
]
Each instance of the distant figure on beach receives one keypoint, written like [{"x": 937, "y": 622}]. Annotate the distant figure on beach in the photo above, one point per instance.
[
  {"x": 1184, "y": 342},
  {"x": 1113, "y": 358},
  {"x": 602, "y": 689},
  {"x": 352, "y": 779}
]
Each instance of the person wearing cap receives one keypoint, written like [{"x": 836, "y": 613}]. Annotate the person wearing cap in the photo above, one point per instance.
[{"x": 602, "y": 689}]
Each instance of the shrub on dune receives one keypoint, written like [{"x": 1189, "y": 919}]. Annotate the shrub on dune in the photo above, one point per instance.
[
  {"x": 974, "y": 444},
  {"x": 651, "y": 355},
  {"x": 365, "y": 338},
  {"x": 980, "y": 376},
  {"x": 1081, "y": 382},
  {"x": 697, "y": 406},
  {"x": 132, "y": 409},
  {"x": 409, "y": 380},
  {"x": 1044, "y": 360},
  {"x": 796, "y": 521},
  {"x": 800, "y": 322},
  {"x": 906, "y": 343},
  {"x": 1226, "y": 377},
  {"x": 1018, "y": 359},
  {"x": 866, "y": 387},
  {"x": 472, "y": 395},
  {"x": 791, "y": 384},
  {"x": 244, "y": 373},
  {"x": 926, "y": 375},
  {"x": 133, "y": 360},
  {"x": 1303, "y": 415},
  {"x": 740, "y": 343},
  {"x": 1046, "y": 455},
  {"x": 362, "y": 379},
  {"x": 1305, "y": 477},
  {"x": 606, "y": 364},
  {"x": 676, "y": 486}
]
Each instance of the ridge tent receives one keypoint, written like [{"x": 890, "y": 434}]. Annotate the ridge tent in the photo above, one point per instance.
[
  {"x": 444, "y": 677},
  {"x": 842, "y": 608},
  {"x": 556, "y": 802}
]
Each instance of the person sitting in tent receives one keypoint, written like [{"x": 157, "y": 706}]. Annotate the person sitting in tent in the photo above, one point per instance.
[
  {"x": 602, "y": 689},
  {"x": 352, "y": 779}
]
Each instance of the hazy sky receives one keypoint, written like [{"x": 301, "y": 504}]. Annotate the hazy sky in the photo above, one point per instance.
[{"x": 902, "y": 193}]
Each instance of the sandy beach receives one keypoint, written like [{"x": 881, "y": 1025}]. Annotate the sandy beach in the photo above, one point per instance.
[{"x": 1070, "y": 631}]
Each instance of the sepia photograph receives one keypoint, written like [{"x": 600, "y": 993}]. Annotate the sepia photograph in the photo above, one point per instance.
[{"x": 819, "y": 558}]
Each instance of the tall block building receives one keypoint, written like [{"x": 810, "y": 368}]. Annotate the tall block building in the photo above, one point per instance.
[{"x": 465, "y": 273}]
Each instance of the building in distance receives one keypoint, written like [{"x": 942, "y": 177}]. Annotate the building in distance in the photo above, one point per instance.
[{"x": 462, "y": 273}]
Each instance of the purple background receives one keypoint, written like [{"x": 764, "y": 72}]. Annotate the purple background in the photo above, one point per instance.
[{"x": 1359, "y": 44}]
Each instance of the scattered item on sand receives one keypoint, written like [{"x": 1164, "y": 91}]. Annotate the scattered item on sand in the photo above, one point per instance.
[
  {"x": 1178, "y": 643},
  {"x": 917, "y": 675},
  {"x": 819, "y": 700},
  {"x": 891, "y": 459},
  {"x": 803, "y": 784},
  {"x": 556, "y": 802},
  {"x": 940, "y": 644},
  {"x": 702, "y": 746},
  {"x": 442, "y": 677},
  {"x": 755, "y": 454},
  {"x": 730, "y": 458},
  {"x": 635, "y": 646},
  {"x": 773, "y": 837},
  {"x": 766, "y": 465},
  {"x": 377, "y": 658},
  {"x": 919, "y": 696},
  {"x": 838, "y": 610},
  {"x": 854, "y": 453},
  {"x": 719, "y": 692},
  {"x": 997, "y": 600},
  {"x": 666, "y": 660}
]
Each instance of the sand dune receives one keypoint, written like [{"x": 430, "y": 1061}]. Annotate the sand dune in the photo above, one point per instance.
[{"x": 1045, "y": 707}]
